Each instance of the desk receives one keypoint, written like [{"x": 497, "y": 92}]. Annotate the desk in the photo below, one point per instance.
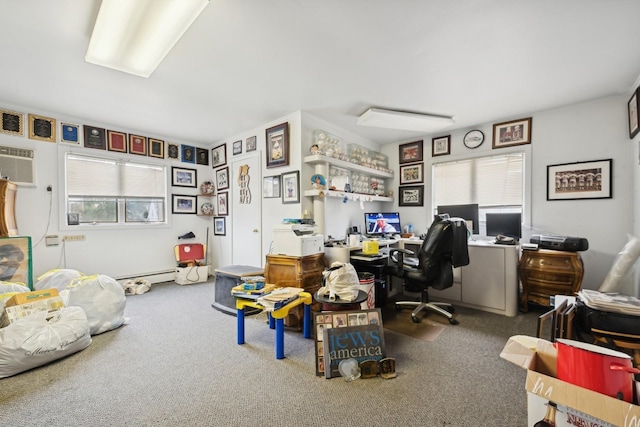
[{"x": 276, "y": 319}]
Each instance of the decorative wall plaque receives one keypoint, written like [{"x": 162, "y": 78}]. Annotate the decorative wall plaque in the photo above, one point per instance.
[
  {"x": 11, "y": 122},
  {"x": 42, "y": 128}
]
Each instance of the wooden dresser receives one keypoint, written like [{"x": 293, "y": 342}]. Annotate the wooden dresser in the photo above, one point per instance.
[
  {"x": 299, "y": 272},
  {"x": 545, "y": 272},
  {"x": 8, "y": 223}
]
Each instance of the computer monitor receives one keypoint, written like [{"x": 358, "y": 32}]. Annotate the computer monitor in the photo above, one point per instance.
[
  {"x": 467, "y": 212},
  {"x": 382, "y": 223},
  {"x": 507, "y": 224}
]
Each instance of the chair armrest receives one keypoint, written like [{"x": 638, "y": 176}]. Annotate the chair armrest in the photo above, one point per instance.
[{"x": 396, "y": 255}]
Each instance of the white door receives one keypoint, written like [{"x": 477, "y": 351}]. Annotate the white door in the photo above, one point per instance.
[{"x": 246, "y": 211}]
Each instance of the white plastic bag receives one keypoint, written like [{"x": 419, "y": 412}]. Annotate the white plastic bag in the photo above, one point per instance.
[
  {"x": 621, "y": 267},
  {"x": 340, "y": 281},
  {"x": 9, "y": 289},
  {"x": 57, "y": 278},
  {"x": 102, "y": 298},
  {"x": 42, "y": 337}
]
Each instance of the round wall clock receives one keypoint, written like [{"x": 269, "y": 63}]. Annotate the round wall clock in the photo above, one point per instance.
[{"x": 473, "y": 139}]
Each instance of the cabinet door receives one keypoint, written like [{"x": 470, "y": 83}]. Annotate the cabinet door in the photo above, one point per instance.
[{"x": 483, "y": 280}]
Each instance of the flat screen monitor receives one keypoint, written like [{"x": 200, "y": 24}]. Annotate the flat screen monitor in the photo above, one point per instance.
[
  {"x": 507, "y": 224},
  {"x": 467, "y": 212},
  {"x": 382, "y": 223}
]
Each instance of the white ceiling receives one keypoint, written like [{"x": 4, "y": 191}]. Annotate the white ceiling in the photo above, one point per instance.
[{"x": 248, "y": 62}]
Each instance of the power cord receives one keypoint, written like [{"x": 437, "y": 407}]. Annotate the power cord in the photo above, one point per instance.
[{"x": 46, "y": 231}]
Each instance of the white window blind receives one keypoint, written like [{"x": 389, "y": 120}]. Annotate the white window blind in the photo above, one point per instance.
[{"x": 488, "y": 181}]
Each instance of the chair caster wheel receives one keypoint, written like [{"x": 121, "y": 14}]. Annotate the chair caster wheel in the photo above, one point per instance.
[
  {"x": 451, "y": 309},
  {"x": 415, "y": 319},
  {"x": 453, "y": 321}
]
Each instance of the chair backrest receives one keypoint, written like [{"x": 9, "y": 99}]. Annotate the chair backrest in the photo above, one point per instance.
[{"x": 445, "y": 243}]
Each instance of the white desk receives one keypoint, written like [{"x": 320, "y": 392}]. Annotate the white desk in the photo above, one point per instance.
[{"x": 488, "y": 283}]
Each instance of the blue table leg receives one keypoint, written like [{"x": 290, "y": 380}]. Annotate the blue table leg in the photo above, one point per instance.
[
  {"x": 306, "y": 325},
  {"x": 272, "y": 324},
  {"x": 279, "y": 338},
  {"x": 240, "y": 323}
]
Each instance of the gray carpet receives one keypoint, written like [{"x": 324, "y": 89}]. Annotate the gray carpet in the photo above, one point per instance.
[{"x": 176, "y": 363}]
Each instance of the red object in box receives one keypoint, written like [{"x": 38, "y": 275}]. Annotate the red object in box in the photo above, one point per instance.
[{"x": 189, "y": 252}]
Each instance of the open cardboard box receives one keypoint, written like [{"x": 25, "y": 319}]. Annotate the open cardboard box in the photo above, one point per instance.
[{"x": 577, "y": 406}]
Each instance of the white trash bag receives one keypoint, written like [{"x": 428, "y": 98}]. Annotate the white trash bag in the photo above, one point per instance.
[
  {"x": 9, "y": 289},
  {"x": 340, "y": 281},
  {"x": 56, "y": 278},
  {"x": 42, "y": 337},
  {"x": 102, "y": 298}
]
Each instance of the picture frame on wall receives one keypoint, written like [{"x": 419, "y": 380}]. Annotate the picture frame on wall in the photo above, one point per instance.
[
  {"x": 156, "y": 148},
  {"x": 202, "y": 156},
  {"x": 412, "y": 174},
  {"x": 69, "y": 133},
  {"x": 181, "y": 204},
  {"x": 117, "y": 141},
  {"x": 12, "y": 122},
  {"x": 219, "y": 226},
  {"x": 515, "y": 132},
  {"x": 95, "y": 137},
  {"x": 222, "y": 178},
  {"x": 42, "y": 128},
  {"x": 411, "y": 152},
  {"x": 271, "y": 187},
  {"x": 277, "y": 145},
  {"x": 188, "y": 153},
  {"x": 634, "y": 120},
  {"x": 251, "y": 143},
  {"x": 237, "y": 147},
  {"x": 138, "y": 144},
  {"x": 291, "y": 187},
  {"x": 441, "y": 146},
  {"x": 411, "y": 195},
  {"x": 183, "y": 177},
  {"x": 219, "y": 156},
  {"x": 580, "y": 180},
  {"x": 223, "y": 204},
  {"x": 173, "y": 151}
]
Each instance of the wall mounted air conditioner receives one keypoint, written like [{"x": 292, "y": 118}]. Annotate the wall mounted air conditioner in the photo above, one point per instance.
[{"x": 18, "y": 165}]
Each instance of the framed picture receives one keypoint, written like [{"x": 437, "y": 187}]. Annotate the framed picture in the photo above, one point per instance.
[
  {"x": 11, "y": 122},
  {"x": 182, "y": 177},
  {"x": 278, "y": 145},
  {"x": 69, "y": 133},
  {"x": 580, "y": 180},
  {"x": 632, "y": 106},
  {"x": 95, "y": 137},
  {"x": 441, "y": 146},
  {"x": 410, "y": 152},
  {"x": 183, "y": 204},
  {"x": 223, "y": 204},
  {"x": 156, "y": 148},
  {"x": 412, "y": 174},
  {"x": 237, "y": 148},
  {"x": 271, "y": 187},
  {"x": 202, "y": 156},
  {"x": 222, "y": 178},
  {"x": 219, "y": 226},
  {"x": 251, "y": 143},
  {"x": 508, "y": 134},
  {"x": 17, "y": 260},
  {"x": 188, "y": 153},
  {"x": 412, "y": 195},
  {"x": 138, "y": 145},
  {"x": 117, "y": 141},
  {"x": 173, "y": 151},
  {"x": 42, "y": 128},
  {"x": 219, "y": 156},
  {"x": 291, "y": 186}
]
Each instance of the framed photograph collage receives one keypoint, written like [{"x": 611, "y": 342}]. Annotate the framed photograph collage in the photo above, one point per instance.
[{"x": 411, "y": 160}]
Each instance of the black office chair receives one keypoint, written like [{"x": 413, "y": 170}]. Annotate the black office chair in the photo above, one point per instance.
[{"x": 444, "y": 247}]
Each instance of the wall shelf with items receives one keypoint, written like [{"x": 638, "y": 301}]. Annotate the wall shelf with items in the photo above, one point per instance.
[
  {"x": 322, "y": 160},
  {"x": 350, "y": 196},
  {"x": 206, "y": 208}
]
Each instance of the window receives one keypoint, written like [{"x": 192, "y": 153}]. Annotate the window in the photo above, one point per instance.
[
  {"x": 107, "y": 191},
  {"x": 495, "y": 183}
]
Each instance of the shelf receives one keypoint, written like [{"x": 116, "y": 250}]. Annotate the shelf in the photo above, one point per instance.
[
  {"x": 201, "y": 214},
  {"x": 205, "y": 195},
  {"x": 320, "y": 159},
  {"x": 350, "y": 196}
]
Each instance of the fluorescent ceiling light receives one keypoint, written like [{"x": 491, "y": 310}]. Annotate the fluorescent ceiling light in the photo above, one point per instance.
[
  {"x": 402, "y": 120},
  {"x": 134, "y": 36}
]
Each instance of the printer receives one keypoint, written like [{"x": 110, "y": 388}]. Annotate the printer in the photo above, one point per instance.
[{"x": 296, "y": 240}]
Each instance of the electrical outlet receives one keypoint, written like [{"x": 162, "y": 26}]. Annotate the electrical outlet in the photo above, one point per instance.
[{"x": 74, "y": 238}]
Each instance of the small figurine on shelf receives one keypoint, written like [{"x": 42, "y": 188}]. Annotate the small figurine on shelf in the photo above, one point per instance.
[
  {"x": 318, "y": 182},
  {"x": 315, "y": 149}
]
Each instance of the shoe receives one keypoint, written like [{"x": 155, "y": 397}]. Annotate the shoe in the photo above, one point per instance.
[{"x": 189, "y": 235}]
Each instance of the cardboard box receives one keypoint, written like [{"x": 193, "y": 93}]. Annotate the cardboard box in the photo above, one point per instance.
[
  {"x": 13, "y": 313},
  {"x": 577, "y": 406},
  {"x": 25, "y": 297},
  {"x": 190, "y": 275}
]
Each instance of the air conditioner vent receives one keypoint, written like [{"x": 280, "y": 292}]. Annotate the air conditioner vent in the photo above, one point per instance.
[{"x": 17, "y": 164}]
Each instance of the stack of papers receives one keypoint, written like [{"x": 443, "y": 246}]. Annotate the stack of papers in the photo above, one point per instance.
[
  {"x": 240, "y": 291},
  {"x": 610, "y": 301},
  {"x": 279, "y": 298}
]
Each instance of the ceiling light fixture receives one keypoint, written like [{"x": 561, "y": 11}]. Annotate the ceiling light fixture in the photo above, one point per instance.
[
  {"x": 134, "y": 36},
  {"x": 403, "y": 120}
]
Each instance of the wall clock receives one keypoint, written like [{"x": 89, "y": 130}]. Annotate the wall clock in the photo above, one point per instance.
[{"x": 473, "y": 139}]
